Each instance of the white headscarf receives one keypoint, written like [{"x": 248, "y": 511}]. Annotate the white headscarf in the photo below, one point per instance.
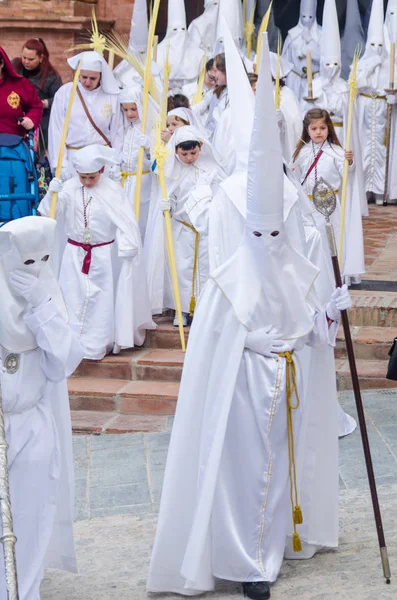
[
  {"x": 135, "y": 94},
  {"x": 92, "y": 61},
  {"x": 267, "y": 281},
  {"x": 21, "y": 241},
  {"x": 92, "y": 158},
  {"x": 187, "y": 115},
  {"x": 173, "y": 166}
]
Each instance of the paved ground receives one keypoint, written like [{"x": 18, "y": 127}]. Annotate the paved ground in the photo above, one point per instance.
[{"x": 118, "y": 483}]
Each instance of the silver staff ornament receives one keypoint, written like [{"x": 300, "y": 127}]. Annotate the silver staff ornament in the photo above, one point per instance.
[
  {"x": 8, "y": 538},
  {"x": 324, "y": 200}
]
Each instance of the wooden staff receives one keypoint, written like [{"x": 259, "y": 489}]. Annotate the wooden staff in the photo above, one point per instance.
[
  {"x": 262, "y": 29},
  {"x": 146, "y": 85},
  {"x": 277, "y": 93},
  {"x": 389, "y": 116},
  {"x": 63, "y": 139},
  {"x": 160, "y": 155},
  {"x": 352, "y": 99},
  {"x": 326, "y": 209}
]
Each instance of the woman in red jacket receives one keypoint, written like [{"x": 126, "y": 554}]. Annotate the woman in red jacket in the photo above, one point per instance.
[{"x": 20, "y": 107}]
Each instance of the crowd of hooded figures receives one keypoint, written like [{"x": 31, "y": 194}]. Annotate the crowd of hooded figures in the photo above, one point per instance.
[{"x": 252, "y": 470}]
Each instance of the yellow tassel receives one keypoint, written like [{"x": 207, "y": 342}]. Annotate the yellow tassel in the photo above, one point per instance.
[
  {"x": 298, "y": 518},
  {"x": 296, "y": 542},
  {"x": 192, "y": 305}
]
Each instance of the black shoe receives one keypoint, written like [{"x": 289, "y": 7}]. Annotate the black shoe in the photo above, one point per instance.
[{"x": 257, "y": 590}]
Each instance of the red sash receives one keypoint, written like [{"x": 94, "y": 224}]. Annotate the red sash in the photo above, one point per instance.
[
  {"x": 88, "y": 249},
  {"x": 312, "y": 166}
]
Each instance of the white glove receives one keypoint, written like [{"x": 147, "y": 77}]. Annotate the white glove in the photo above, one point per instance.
[
  {"x": 165, "y": 205},
  {"x": 280, "y": 118},
  {"x": 29, "y": 287},
  {"x": 56, "y": 185},
  {"x": 266, "y": 341},
  {"x": 340, "y": 300},
  {"x": 65, "y": 174},
  {"x": 391, "y": 99},
  {"x": 143, "y": 140},
  {"x": 115, "y": 173}
]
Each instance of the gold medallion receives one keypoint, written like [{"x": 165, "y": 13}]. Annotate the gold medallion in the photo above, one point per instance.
[
  {"x": 107, "y": 111},
  {"x": 14, "y": 100}
]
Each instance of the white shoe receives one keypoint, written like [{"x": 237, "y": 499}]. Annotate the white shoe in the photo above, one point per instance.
[
  {"x": 184, "y": 320},
  {"x": 379, "y": 201}
]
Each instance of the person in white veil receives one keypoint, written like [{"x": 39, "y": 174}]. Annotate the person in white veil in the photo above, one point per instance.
[
  {"x": 184, "y": 55},
  {"x": 99, "y": 95},
  {"x": 230, "y": 462},
  {"x": 304, "y": 36},
  {"x": 102, "y": 273},
  {"x": 39, "y": 349}
]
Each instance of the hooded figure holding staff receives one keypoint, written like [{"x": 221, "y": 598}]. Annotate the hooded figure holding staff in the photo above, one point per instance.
[{"x": 231, "y": 480}]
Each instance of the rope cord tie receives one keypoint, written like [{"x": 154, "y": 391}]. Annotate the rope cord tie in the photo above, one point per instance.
[{"x": 195, "y": 267}]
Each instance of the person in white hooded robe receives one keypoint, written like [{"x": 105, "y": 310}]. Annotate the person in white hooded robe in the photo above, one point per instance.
[
  {"x": 303, "y": 37},
  {"x": 372, "y": 80},
  {"x": 184, "y": 55},
  {"x": 227, "y": 474},
  {"x": 202, "y": 30},
  {"x": 131, "y": 102},
  {"x": 102, "y": 273},
  {"x": 39, "y": 350},
  {"x": 101, "y": 95}
]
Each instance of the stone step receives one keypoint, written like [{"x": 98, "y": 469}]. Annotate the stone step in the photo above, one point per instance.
[
  {"x": 166, "y": 335},
  {"x": 373, "y": 309},
  {"x": 123, "y": 397},
  {"x": 133, "y": 365},
  {"x": 370, "y": 343},
  {"x": 94, "y": 422},
  {"x": 371, "y": 373}
]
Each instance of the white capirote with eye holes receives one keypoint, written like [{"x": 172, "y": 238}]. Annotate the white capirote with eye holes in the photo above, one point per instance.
[{"x": 26, "y": 245}]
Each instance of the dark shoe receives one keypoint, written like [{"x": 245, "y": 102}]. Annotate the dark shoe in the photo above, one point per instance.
[{"x": 257, "y": 590}]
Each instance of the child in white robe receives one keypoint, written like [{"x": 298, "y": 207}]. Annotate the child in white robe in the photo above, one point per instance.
[
  {"x": 39, "y": 349},
  {"x": 319, "y": 155},
  {"x": 134, "y": 139},
  {"x": 102, "y": 275}
]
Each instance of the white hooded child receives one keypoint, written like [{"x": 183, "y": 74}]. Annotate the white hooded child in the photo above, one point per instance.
[
  {"x": 131, "y": 106},
  {"x": 101, "y": 275},
  {"x": 39, "y": 350},
  {"x": 98, "y": 90},
  {"x": 301, "y": 38},
  {"x": 231, "y": 456}
]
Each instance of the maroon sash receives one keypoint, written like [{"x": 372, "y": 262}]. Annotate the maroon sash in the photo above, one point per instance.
[
  {"x": 310, "y": 169},
  {"x": 88, "y": 249}
]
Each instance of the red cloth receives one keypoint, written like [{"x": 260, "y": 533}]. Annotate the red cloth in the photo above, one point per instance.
[
  {"x": 88, "y": 250},
  {"x": 18, "y": 98}
]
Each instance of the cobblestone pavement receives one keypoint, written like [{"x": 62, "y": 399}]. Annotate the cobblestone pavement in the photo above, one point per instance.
[{"x": 118, "y": 484}]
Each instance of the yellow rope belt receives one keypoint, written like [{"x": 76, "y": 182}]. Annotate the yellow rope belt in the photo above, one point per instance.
[
  {"x": 337, "y": 124},
  {"x": 292, "y": 389},
  {"x": 311, "y": 197},
  {"x": 373, "y": 97},
  {"x": 195, "y": 265},
  {"x": 125, "y": 174},
  {"x": 303, "y": 75}
]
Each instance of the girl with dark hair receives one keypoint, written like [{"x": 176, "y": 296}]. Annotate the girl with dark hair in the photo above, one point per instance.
[{"x": 34, "y": 64}]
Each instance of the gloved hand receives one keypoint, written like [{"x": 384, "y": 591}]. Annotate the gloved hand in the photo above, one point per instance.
[
  {"x": 340, "y": 300},
  {"x": 165, "y": 205},
  {"x": 391, "y": 99},
  {"x": 280, "y": 118},
  {"x": 115, "y": 173},
  {"x": 143, "y": 140},
  {"x": 266, "y": 341},
  {"x": 29, "y": 287},
  {"x": 56, "y": 185}
]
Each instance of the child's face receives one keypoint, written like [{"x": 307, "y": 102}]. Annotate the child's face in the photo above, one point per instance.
[
  {"x": 173, "y": 123},
  {"x": 220, "y": 77},
  {"x": 318, "y": 131},
  {"x": 130, "y": 110},
  {"x": 188, "y": 157},
  {"x": 89, "y": 180}
]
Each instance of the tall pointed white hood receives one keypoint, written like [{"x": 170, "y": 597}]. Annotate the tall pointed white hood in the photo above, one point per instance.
[
  {"x": 330, "y": 44},
  {"x": 307, "y": 13},
  {"x": 232, "y": 12},
  {"x": 391, "y": 21},
  {"x": 139, "y": 28},
  {"x": 266, "y": 280},
  {"x": 202, "y": 30},
  {"x": 375, "y": 35},
  {"x": 353, "y": 36}
]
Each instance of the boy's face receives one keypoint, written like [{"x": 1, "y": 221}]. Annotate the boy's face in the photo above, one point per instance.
[
  {"x": 188, "y": 157},
  {"x": 89, "y": 180},
  {"x": 130, "y": 110}
]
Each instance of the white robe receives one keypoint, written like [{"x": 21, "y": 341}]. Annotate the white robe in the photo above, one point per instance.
[
  {"x": 129, "y": 165},
  {"x": 39, "y": 434},
  {"x": 112, "y": 301},
  {"x": 222, "y": 140},
  {"x": 105, "y": 112},
  {"x": 291, "y": 126},
  {"x": 298, "y": 41},
  {"x": 330, "y": 168},
  {"x": 226, "y": 480}
]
